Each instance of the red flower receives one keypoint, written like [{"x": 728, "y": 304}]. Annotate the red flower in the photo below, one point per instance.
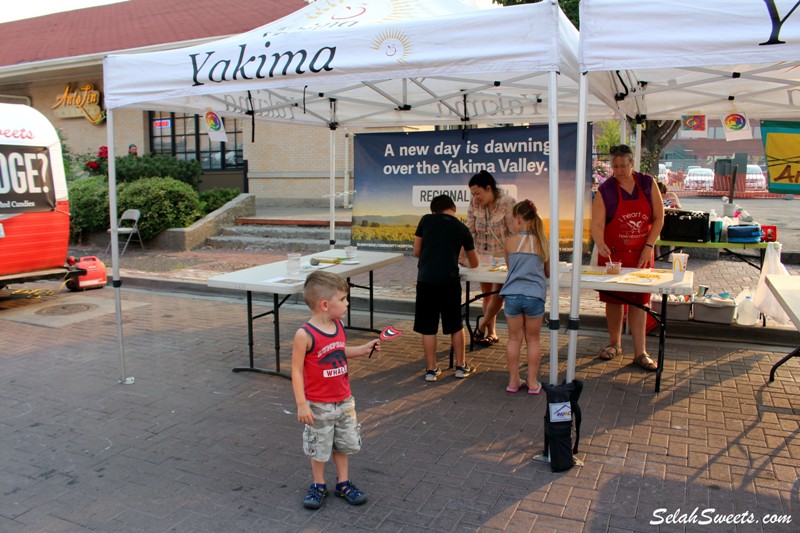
[
  {"x": 93, "y": 165},
  {"x": 103, "y": 153}
]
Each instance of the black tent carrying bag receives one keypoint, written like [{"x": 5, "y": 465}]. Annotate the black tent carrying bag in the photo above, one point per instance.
[{"x": 562, "y": 410}]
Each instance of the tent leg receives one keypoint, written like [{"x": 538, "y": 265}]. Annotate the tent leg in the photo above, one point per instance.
[
  {"x": 116, "y": 282},
  {"x": 332, "y": 182},
  {"x": 554, "y": 223}
]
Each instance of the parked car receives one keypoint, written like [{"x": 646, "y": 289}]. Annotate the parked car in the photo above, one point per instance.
[
  {"x": 756, "y": 180},
  {"x": 699, "y": 179}
]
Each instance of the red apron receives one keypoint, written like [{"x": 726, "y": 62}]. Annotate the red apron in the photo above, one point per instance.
[{"x": 626, "y": 235}]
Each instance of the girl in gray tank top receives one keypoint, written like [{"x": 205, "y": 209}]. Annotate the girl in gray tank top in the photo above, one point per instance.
[{"x": 524, "y": 291}]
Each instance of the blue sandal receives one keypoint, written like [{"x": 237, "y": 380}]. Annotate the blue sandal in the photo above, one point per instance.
[{"x": 350, "y": 493}]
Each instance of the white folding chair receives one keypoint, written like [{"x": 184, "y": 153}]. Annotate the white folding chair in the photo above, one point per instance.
[{"x": 128, "y": 225}]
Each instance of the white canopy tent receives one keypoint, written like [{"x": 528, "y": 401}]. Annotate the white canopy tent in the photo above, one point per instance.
[
  {"x": 683, "y": 57},
  {"x": 372, "y": 63}
]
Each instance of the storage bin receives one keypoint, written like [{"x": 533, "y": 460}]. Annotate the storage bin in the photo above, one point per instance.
[
  {"x": 678, "y": 310},
  {"x": 714, "y": 309}
]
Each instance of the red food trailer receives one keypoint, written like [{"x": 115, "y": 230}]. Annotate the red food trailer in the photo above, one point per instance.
[{"x": 34, "y": 206}]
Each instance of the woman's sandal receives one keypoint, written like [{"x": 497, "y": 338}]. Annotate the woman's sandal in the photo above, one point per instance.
[
  {"x": 609, "y": 352},
  {"x": 481, "y": 339},
  {"x": 644, "y": 361},
  {"x": 513, "y": 390},
  {"x": 537, "y": 389}
]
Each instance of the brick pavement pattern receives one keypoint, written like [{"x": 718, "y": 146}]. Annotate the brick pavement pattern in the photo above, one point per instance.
[{"x": 192, "y": 447}]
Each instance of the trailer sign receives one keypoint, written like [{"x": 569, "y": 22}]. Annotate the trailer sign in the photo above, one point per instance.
[{"x": 26, "y": 180}]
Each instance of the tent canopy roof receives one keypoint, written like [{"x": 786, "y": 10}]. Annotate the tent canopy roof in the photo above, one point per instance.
[
  {"x": 373, "y": 63},
  {"x": 687, "y": 57}
]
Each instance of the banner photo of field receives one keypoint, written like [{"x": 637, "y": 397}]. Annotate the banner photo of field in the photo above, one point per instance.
[
  {"x": 396, "y": 175},
  {"x": 782, "y": 148}
]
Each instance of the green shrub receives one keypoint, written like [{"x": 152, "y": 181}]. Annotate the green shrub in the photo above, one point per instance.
[
  {"x": 213, "y": 199},
  {"x": 88, "y": 205},
  {"x": 132, "y": 168},
  {"x": 164, "y": 202}
]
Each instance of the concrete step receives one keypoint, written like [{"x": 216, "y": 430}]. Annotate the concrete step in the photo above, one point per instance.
[
  {"x": 249, "y": 242},
  {"x": 286, "y": 232}
]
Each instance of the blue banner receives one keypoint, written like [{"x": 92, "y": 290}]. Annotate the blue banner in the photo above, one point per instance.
[{"x": 396, "y": 175}]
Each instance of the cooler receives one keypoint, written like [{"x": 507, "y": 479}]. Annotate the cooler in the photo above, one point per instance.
[{"x": 744, "y": 234}]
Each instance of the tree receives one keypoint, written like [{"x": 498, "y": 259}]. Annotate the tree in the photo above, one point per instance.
[{"x": 656, "y": 134}]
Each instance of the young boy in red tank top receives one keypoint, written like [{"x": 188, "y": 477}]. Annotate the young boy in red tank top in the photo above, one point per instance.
[{"x": 321, "y": 386}]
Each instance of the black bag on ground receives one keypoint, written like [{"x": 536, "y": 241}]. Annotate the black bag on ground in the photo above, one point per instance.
[{"x": 562, "y": 410}]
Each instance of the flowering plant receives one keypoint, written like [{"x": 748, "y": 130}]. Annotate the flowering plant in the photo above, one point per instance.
[
  {"x": 97, "y": 165},
  {"x": 600, "y": 171}
]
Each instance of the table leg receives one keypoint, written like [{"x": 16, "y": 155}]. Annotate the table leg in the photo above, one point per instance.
[
  {"x": 662, "y": 334},
  {"x": 371, "y": 289},
  {"x": 276, "y": 307},
  {"x": 794, "y": 353},
  {"x": 276, "y": 304}
]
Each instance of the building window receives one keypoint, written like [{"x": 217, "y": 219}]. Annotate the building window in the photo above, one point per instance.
[{"x": 184, "y": 137}]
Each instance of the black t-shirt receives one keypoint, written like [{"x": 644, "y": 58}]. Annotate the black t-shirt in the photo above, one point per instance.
[{"x": 443, "y": 236}]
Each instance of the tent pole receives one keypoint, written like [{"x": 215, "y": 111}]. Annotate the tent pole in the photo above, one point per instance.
[
  {"x": 577, "y": 246},
  {"x": 332, "y": 182},
  {"x": 552, "y": 90},
  {"x": 638, "y": 159},
  {"x": 116, "y": 282},
  {"x": 346, "y": 190}
]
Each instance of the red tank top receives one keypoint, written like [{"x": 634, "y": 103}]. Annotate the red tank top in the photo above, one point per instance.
[{"x": 325, "y": 369}]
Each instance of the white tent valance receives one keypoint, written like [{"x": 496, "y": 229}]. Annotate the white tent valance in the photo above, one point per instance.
[
  {"x": 397, "y": 63},
  {"x": 684, "y": 56}
]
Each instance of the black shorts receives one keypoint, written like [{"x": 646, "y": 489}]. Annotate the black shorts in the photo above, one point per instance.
[{"x": 434, "y": 300}]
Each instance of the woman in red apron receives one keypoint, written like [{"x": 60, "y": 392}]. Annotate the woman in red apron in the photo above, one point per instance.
[{"x": 627, "y": 216}]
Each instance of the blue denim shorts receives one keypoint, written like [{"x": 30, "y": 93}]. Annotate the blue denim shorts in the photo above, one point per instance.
[{"x": 516, "y": 304}]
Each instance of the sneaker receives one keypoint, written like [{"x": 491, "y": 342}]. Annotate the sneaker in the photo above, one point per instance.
[
  {"x": 464, "y": 371},
  {"x": 432, "y": 375},
  {"x": 350, "y": 493},
  {"x": 315, "y": 496}
]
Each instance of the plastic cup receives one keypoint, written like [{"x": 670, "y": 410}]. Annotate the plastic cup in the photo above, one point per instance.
[
  {"x": 351, "y": 252},
  {"x": 485, "y": 260},
  {"x": 679, "y": 261},
  {"x": 614, "y": 267},
  {"x": 292, "y": 263}
]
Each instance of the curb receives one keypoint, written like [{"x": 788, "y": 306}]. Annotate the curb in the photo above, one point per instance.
[{"x": 678, "y": 329}]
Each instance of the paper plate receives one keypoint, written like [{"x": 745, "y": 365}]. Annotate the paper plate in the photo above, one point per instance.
[{"x": 349, "y": 262}]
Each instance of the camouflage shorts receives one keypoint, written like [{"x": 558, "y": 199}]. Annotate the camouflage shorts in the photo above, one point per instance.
[{"x": 335, "y": 429}]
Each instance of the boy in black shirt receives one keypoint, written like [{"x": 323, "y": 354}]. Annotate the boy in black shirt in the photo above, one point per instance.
[{"x": 439, "y": 239}]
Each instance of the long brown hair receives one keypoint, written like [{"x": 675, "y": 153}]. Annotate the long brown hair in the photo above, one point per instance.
[{"x": 528, "y": 212}]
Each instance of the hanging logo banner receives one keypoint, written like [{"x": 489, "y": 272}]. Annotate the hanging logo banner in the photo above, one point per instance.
[
  {"x": 398, "y": 174},
  {"x": 215, "y": 127},
  {"x": 736, "y": 127},
  {"x": 782, "y": 149},
  {"x": 694, "y": 127}
]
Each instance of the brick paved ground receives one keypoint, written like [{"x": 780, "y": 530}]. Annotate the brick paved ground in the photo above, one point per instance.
[{"x": 191, "y": 446}]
